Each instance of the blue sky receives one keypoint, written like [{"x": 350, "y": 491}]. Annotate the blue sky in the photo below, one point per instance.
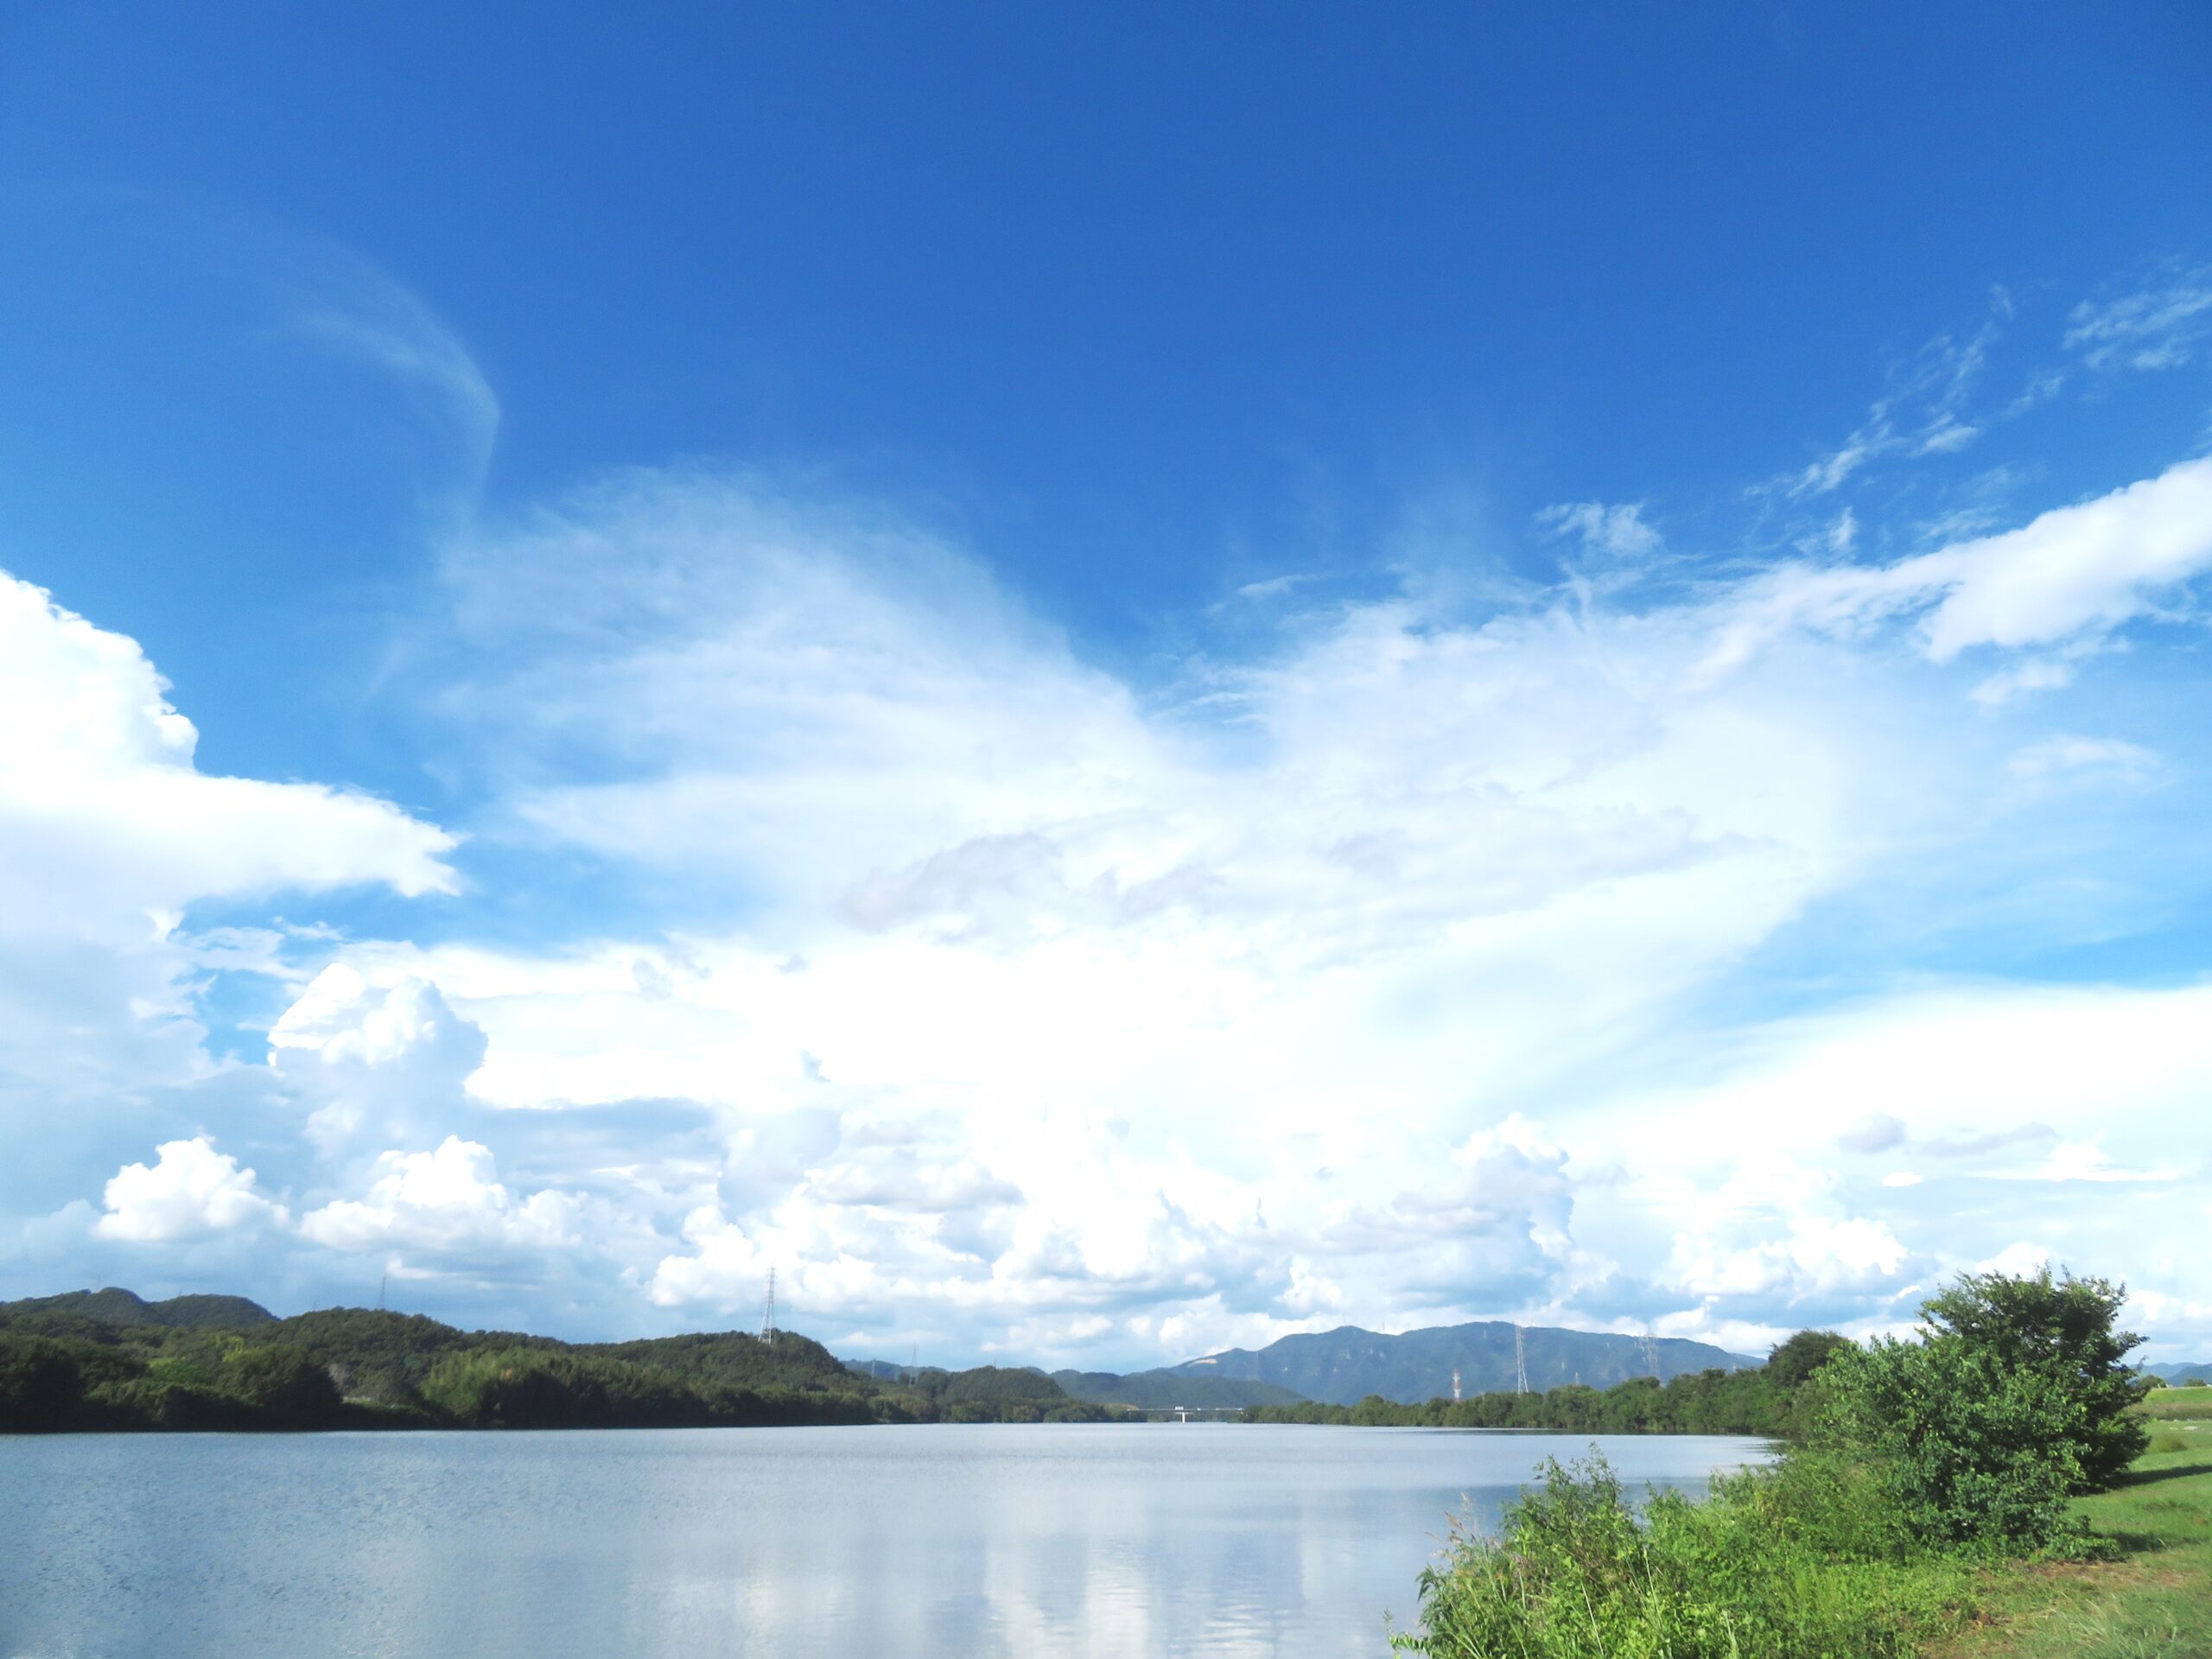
[{"x": 1105, "y": 683}]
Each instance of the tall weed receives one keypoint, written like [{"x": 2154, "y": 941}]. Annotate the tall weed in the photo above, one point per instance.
[{"x": 1771, "y": 1564}]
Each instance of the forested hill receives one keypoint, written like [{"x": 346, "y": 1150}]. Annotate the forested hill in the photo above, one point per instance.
[
  {"x": 222, "y": 1363},
  {"x": 115, "y": 1306},
  {"x": 1344, "y": 1366}
]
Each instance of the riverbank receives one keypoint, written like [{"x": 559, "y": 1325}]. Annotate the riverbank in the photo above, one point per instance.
[
  {"x": 1932, "y": 1499},
  {"x": 2154, "y": 1598},
  {"x": 1804, "y": 1561}
]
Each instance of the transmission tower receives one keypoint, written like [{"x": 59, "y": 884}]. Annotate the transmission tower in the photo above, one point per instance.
[
  {"x": 768, "y": 1319},
  {"x": 1650, "y": 1353},
  {"x": 1520, "y": 1363},
  {"x": 1455, "y": 1381}
]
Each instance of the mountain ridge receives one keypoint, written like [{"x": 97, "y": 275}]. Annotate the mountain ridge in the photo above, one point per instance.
[{"x": 1343, "y": 1366}]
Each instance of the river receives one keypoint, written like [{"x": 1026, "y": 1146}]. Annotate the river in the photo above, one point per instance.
[{"x": 925, "y": 1543}]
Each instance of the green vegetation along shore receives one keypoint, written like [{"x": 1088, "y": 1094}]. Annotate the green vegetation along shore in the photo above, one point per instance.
[
  {"x": 107, "y": 1360},
  {"x": 2004, "y": 1488},
  {"x": 1763, "y": 1401}
]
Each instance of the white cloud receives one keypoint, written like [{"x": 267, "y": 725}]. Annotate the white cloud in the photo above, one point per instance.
[
  {"x": 2091, "y": 566},
  {"x": 1055, "y": 1003},
  {"x": 1920, "y": 415},
  {"x": 1739, "y": 1173},
  {"x": 2155, "y": 328},
  {"x": 1008, "y": 1002},
  {"x": 105, "y": 819},
  {"x": 2036, "y": 673},
  {"x": 373, "y": 1059},
  {"x": 190, "y": 1191},
  {"x": 2067, "y": 753},
  {"x": 1619, "y": 530},
  {"x": 2071, "y": 571},
  {"x": 110, "y": 835},
  {"x": 447, "y": 1199}
]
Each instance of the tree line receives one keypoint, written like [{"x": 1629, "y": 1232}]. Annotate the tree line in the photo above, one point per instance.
[
  {"x": 62, "y": 1369},
  {"x": 1760, "y": 1399}
]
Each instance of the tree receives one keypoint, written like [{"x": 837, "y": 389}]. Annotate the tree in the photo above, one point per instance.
[
  {"x": 284, "y": 1380},
  {"x": 2011, "y": 1402},
  {"x": 2062, "y": 1330},
  {"x": 1790, "y": 1363}
]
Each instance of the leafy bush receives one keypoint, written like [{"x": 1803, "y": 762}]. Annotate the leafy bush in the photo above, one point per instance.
[
  {"x": 1575, "y": 1573},
  {"x": 2015, "y": 1402},
  {"x": 1929, "y": 1456},
  {"x": 2061, "y": 1329}
]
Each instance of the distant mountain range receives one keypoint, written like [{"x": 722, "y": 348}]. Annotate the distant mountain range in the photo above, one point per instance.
[
  {"x": 2184, "y": 1371},
  {"x": 1342, "y": 1367}
]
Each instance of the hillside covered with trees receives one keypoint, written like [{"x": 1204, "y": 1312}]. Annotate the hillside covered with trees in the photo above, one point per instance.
[
  {"x": 107, "y": 1360},
  {"x": 1344, "y": 1366}
]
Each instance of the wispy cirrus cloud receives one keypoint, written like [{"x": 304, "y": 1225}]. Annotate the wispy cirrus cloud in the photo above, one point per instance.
[{"x": 2158, "y": 327}]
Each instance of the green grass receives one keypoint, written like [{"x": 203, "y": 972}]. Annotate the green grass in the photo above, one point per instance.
[{"x": 2156, "y": 1598}]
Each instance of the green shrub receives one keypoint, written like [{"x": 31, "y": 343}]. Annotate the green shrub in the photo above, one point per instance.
[
  {"x": 2015, "y": 1402},
  {"x": 2062, "y": 1330},
  {"x": 1574, "y": 1574}
]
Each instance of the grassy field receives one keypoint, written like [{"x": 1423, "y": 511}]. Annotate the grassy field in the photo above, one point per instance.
[{"x": 2155, "y": 1600}]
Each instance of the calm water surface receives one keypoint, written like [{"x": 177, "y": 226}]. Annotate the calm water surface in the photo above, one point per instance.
[{"x": 946, "y": 1541}]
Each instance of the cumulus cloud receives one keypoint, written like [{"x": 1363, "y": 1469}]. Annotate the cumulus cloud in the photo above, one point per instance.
[
  {"x": 1765, "y": 1227},
  {"x": 447, "y": 1199},
  {"x": 110, "y": 834},
  {"x": 190, "y": 1191},
  {"x": 376, "y": 1059},
  {"x": 1166, "y": 1009},
  {"x": 105, "y": 819},
  {"x": 1013, "y": 1005}
]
